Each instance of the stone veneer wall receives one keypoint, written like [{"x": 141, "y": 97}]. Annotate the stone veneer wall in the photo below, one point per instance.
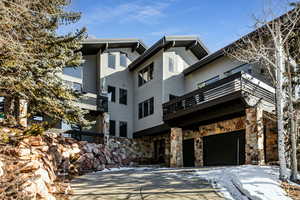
[
  {"x": 271, "y": 140},
  {"x": 146, "y": 147},
  {"x": 225, "y": 126}
]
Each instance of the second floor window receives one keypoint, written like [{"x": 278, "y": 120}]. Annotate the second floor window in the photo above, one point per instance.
[
  {"x": 145, "y": 75},
  {"x": 123, "y": 129},
  {"x": 123, "y": 96},
  {"x": 209, "y": 81},
  {"x": 112, "y": 92},
  {"x": 112, "y": 61},
  {"x": 112, "y": 127},
  {"x": 123, "y": 59},
  {"x": 146, "y": 108},
  {"x": 73, "y": 71}
]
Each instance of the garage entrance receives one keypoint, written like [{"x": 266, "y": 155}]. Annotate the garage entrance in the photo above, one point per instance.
[
  {"x": 188, "y": 153},
  {"x": 224, "y": 149}
]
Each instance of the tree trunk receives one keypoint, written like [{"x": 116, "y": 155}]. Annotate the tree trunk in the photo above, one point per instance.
[
  {"x": 279, "y": 108},
  {"x": 292, "y": 120}
]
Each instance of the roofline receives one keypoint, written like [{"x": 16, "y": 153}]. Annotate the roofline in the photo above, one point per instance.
[
  {"x": 113, "y": 40},
  {"x": 221, "y": 52},
  {"x": 162, "y": 43},
  {"x": 140, "y": 43},
  {"x": 204, "y": 61}
]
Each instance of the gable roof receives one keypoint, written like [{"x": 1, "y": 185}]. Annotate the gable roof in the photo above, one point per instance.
[
  {"x": 92, "y": 46},
  {"x": 192, "y": 43}
]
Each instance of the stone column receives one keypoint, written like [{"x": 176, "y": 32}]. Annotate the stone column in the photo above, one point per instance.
[
  {"x": 102, "y": 126},
  {"x": 254, "y": 136},
  {"x": 176, "y": 159},
  {"x": 199, "y": 151},
  {"x": 23, "y": 106}
]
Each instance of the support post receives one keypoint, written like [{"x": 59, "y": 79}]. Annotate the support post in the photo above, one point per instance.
[
  {"x": 255, "y": 136},
  {"x": 176, "y": 148}
]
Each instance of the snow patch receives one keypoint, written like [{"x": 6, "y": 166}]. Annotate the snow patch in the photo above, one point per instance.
[{"x": 246, "y": 182}]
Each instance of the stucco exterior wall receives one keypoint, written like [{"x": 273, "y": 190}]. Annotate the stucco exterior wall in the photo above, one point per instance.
[
  {"x": 217, "y": 67},
  {"x": 120, "y": 77},
  {"x": 150, "y": 89},
  {"x": 173, "y": 82}
]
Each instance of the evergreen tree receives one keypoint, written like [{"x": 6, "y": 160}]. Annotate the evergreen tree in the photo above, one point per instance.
[{"x": 32, "y": 55}]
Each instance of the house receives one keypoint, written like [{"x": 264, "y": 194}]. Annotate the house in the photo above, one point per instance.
[{"x": 185, "y": 105}]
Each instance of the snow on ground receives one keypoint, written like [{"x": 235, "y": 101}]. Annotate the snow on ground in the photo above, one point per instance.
[
  {"x": 124, "y": 169},
  {"x": 247, "y": 182}
]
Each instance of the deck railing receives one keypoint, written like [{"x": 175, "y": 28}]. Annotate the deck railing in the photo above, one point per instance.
[{"x": 234, "y": 83}]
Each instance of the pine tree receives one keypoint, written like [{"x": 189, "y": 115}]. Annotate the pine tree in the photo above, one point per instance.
[{"x": 32, "y": 55}]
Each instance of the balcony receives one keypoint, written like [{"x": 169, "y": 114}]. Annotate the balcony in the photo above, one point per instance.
[
  {"x": 235, "y": 86},
  {"x": 93, "y": 102}
]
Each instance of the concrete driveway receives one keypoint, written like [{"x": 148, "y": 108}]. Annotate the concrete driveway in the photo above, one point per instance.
[{"x": 143, "y": 184}]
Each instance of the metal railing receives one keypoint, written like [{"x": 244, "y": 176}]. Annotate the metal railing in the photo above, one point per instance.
[{"x": 234, "y": 83}]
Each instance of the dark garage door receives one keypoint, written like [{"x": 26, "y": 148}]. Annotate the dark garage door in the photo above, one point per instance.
[
  {"x": 188, "y": 153},
  {"x": 224, "y": 149}
]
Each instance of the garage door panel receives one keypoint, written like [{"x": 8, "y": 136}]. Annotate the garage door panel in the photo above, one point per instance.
[{"x": 224, "y": 149}]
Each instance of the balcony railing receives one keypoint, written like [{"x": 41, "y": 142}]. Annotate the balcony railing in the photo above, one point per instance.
[
  {"x": 238, "y": 82},
  {"x": 93, "y": 102}
]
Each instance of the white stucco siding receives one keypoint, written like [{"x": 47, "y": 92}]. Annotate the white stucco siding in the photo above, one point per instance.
[
  {"x": 120, "y": 77},
  {"x": 217, "y": 67},
  {"x": 173, "y": 82},
  {"x": 150, "y": 89},
  {"x": 89, "y": 74}
]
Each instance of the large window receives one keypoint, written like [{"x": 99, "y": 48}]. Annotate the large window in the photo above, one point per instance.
[
  {"x": 111, "y": 61},
  {"x": 112, "y": 92},
  {"x": 145, "y": 75},
  {"x": 123, "y": 96},
  {"x": 209, "y": 81},
  {"x": 146, "y": 108},
  {"x": 123, "y": 129},
  {"x": 112, "y": 127},
  {"x": 123, "y": 59},
  {"x": 73, "y": 71},
  {"x": 243, "y": 67}
]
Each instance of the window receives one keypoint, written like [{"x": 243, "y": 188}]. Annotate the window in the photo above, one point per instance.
[
  {"x": 146, "y": 108},
  {"x": 123, "y": 96},
  {"x": 145, "y": 75},
  {"x": 112, "y": 127},
  {"x": 111, "y": 61},
  {"x": 209, "y": 81},
  {"x": 112, "y": 91},
  {"x": 171, "y": 65},
  {"x": 123, "y": 129},
  {"x": 123, "y": 59},
  {"x": 243, "y": 67},
  {"x": 73, "y": 71}
]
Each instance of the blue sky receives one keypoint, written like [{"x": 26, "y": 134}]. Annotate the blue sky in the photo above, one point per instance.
[{"x": 215, "y": 22}]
